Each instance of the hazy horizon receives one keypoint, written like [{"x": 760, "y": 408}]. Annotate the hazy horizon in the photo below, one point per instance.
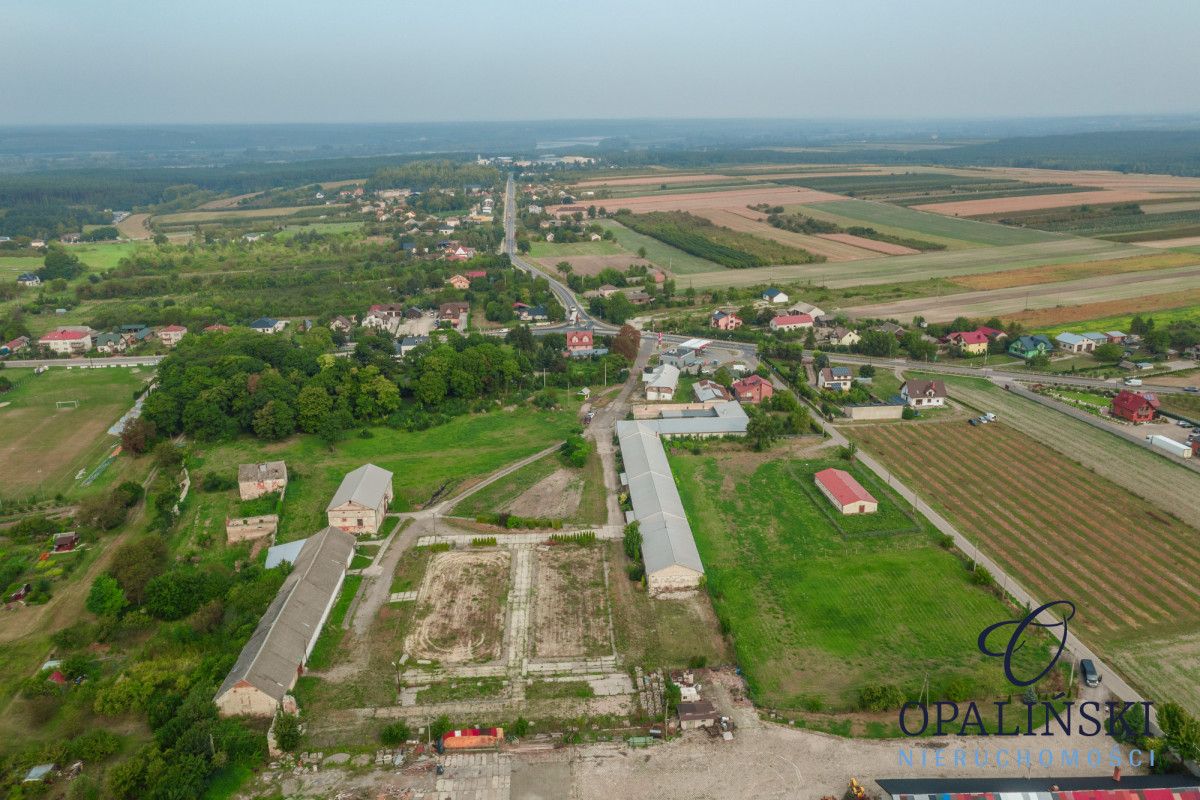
[{"x": 130, "y": 62}]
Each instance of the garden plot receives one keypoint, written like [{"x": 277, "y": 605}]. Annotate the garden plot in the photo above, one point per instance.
[
  {"x": 571, "y": 606},
  {"x": 460, "y": 608}
]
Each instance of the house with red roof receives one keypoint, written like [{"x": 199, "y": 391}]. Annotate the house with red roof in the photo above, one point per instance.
[
  {"x": 171, "y": 335},
  {"x": 580, "y": 340},
  {"x": 791, "y": 322},
  {"x": 67, "y": 341},
  {"x": 725, "y": 320},
  {"x": 460, "y": 253},
  {"x": 1134, "y": 407},
  {"x": 973, "y": 343},
  {"x": 846, "y": 494},
  {"x": 476, "y": 273},
  {"x": 15, "y": 346},
  {"x": 752, "y": 389},
  {"x": 459, "y": 281}
]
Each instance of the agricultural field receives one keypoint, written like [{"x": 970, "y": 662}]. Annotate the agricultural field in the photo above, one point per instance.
[
  {"x": 672, "y": 259},
  {"x": 234, "y": 215},
  {"x": 1033, "y": 202},
  {"x": 915, "y": 224},
  {"x": 1079, "y": 270},
  {"x": 427, "y": 465},
  {"x": 1166, "y": 306},
  {"x": 1062, "y": 531},
  {"x": 1132, "y": 292},
  {"x": 43, "y": 447},
  {"x": 719, "y": 197},
  {"x": 753, "y": 223},
  {"x": 571, "y": 608},
  {"x": 562, "y": 252},
  {"x": 460, "y": 607},
  {"x": 813, "y": 601},
  {"x": 919, "y": 267},
  {"x": 703, "y": 239}
]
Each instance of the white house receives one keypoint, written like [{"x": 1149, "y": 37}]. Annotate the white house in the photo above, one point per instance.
[
  {"x": 268, "y": 325},
  {"x": 662, "y": 383},
  {"x": 791, "y": 322},
  {"x": 361, "y": 502},
  {"x": 171, "y": 335},
  {"x": 924, "y": 394},
  {"x": 67, "y": 341},
  {"x": 835, "y": 379},
  {"x": 774, "y": 296},
  {"x": 1074, "y": 343}
]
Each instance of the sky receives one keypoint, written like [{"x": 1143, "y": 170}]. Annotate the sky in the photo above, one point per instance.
[{"x": 249, "y": 61}]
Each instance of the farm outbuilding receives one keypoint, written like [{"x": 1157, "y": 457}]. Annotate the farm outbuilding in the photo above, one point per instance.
[
  {"x": 361, "y": 502},
  {"x": 255, "y": 480},
  {"x": 696, "y": 714},
  {"x": 274, "y": 658},
  {"x": 847, "y": 495}
]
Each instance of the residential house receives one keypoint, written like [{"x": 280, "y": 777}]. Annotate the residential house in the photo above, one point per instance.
[
  {"x": 387, "y": 311},
  {"x": 638, "y": 297},
  {"x": 1029, "y": 346},
  {"x": 580, "y": 340},
  {"x": 607, "y": 290},
  {"x": 15, "y": 346},
  {"x": 847, "y": 495},
  {"x": 268, "y": 325},
  {"x": 662, "y": 383},
  {"x": 1134, "y": 407},
  {"x": 725, "y": 320},
  {"x": 341, "y": 324},
  {"x": 835, "y": 379},
  {"x": 531, "y": 313},
  {"x": 775, "y": 296},
  {"x": 971, "y": 343},
  {"x": 892, "y": 328},
  {"x": 459, "y": 281},
  {"x": 67, "y": 341},
  {"x": 1096, "y": 339},
  {"x": 136, "y": 333},
  {"x": 707, "y": 391},
  {"x": 752, "y": 389},
  {"x": 255, "y": 480},
  {"x": 409, "y": 343},
  {"x": 1115, "y": 337},
  {"x": 111, "y": 343},
  {"x": 924, "y": 394},
  {"x": 791, "y": 322},
  {"x": 682, "y": 358},
  {"x": 460, "y": 253},
  {"x": 361, "y": 502},
  {"x": 454, "y": 314},
  {"x": 171, "y": 335},
  {"x": 277, "y": 651},
  {"x": 28, "y": 279},
  {"x": 412, "y": 312},
  {"x": 842, "y": 337},
  {"x": 991, "y": 333}
]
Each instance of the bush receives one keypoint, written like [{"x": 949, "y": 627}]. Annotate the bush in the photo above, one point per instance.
[
  {"x": 908, "y": 413},
  {"x": 583, "y": 538},
  {"x": 519, "y": 727},
  {"x": 880, "y": 697},
  {"x": 394, "y": 734},
  {"x": 635, "y": 572},
  {"x": 483, "y": 541},
  {"x": 981, "y": 577},
  {"x": 287, "y": 731},
  {"x": 632, "y": 541},
  {"x": 575, "y": 451},
  {"x": 216, "y": 482}
]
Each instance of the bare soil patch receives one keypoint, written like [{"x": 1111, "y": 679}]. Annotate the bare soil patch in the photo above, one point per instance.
[
  {"x": 571, "y": 607},
  {"x": 135, "y": 226},
  {"x": 887, "y": 248},
  {"x": 638, "y": 180},
  {"x": 556, "y": 495},
  {"x": 459, "y": 607},
  {"x": 1006, "y": 205},
  {"x": 226, "y": 202},
  {"x": 1027, "y": 276},
  {"x": 1102, "y": 179},
  {"x": 1162, "y": 244}
]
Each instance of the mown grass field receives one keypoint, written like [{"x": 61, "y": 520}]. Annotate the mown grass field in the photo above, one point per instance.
[
  {"x": 814, "y": 614},
  {"x": 425, "y": 464},
  {"x": 1061, "y": 530},
  {"x": 41, "y": 447},
  {"x": 592, "y": 508},
  {"x": 544, "y": 249},
  {"x": 907, "y": 222}
]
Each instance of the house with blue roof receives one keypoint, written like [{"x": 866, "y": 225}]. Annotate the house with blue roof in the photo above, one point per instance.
[
  {"x": 268, "y": 325},
  {"x": 774, "y": 295},
  {"x": 1074, "y": 343}
]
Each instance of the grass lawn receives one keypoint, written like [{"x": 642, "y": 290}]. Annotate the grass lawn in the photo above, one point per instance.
[
  {"x": 425, "y": 464},
  {"x": 1186, "y": 404},
  {"x": 1121, "y": 321},
  {"x": 42, "y": 448},
  {"x": 662, "y": 255},
  {"x": 544, "y": 249},
  {"x": 900, "y": 221},
  {"x": 815, "y": 614}
]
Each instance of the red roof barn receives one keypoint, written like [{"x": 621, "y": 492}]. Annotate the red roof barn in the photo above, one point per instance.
[
  {"x": 846, "y": 494},
  {"x": 1134, "y": 406}
]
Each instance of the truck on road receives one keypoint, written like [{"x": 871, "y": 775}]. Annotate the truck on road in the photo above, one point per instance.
[{"x": 1169, "y": 445}]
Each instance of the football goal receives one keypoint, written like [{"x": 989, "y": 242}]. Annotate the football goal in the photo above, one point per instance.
[{"x": 61, "y": 404}]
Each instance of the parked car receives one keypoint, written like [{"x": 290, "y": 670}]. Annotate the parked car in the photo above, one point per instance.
[
  {"x": 1192, "y": 389},
  {"x": 1087, "y": 670},
  {"x": 974, "y": 421},
  {"x": 1133, "y": 381}
]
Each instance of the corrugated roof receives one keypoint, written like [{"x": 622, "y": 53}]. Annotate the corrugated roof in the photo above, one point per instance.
[
  {"x": 266, "y": 471},
  {"x": 843, "y": 486},
  {"x": 367, "y": 486},
  {"x": 279, "y": 645},
  {"x": 289, "y": 552}
]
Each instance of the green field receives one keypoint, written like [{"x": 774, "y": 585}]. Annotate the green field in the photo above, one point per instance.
[
  {"x": 663, "y": 255},
  {"x": 543, "y": 249},
  {"x": 1121, "y": 322},
  {"x": 816, "y": 614},
  {"x": 703, "y": 239},
  {"x": 900, "y": 221},
  {"x": 426, "y": 464},
  {"x": 101, "y": 256},
  {"x": 42, "y": 448}
]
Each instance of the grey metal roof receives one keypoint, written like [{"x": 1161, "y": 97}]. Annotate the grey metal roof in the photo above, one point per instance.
[
  {"x": 279, "y": 645},
  {"x": 367, "y": 486},
  {"x": 289, "y": 552},
  {"x": 665, "y": 377},
  {"x": 666, "y": 536},
  {"x": 726, "y": 418}
]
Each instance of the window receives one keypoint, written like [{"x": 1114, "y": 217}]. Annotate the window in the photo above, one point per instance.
[{"x": 360, "y": 522}]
